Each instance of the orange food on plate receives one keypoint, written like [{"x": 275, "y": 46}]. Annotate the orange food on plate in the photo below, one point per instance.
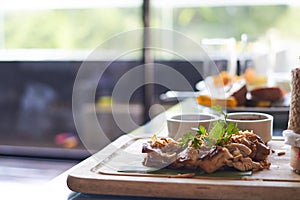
[
  {"x": 224, "y": 78},
  {"x": 234, "y": 96},
  {"x": 253, "y": 78},
  {"x": 248, "y": 89},
  {"x": 206, "y": 100},
  {"x": 249, "y": 75}
]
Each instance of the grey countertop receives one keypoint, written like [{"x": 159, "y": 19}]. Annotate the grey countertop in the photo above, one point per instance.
[{"x": 26, "y": 175}]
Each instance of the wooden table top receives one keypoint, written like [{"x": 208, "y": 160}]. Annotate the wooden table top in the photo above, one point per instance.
[{"x": 279, "y": 182}]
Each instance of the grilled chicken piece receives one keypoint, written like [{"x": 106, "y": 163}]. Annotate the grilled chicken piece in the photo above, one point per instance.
[
  {"x": 259, "y": 150},
  {"x": 246, "y": 151},
  {"x": 188, "y": 158},
  {"x": 236, "y": 148},
  {"x": 160, "y": 152},
  {"x": 246, "y": 164},
  {"x": 219, "y": 159},
  {"x": 159, "y": 159},
  {"x": 262, "y": 152}
]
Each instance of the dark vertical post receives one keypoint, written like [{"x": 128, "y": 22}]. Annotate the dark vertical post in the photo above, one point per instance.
[{"x": 147, "y": 61}]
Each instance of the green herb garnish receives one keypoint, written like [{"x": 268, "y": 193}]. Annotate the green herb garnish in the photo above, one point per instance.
[
  {"x": 190, "y": 139},
  {"x": 219, "y": 135},
  {"x": 186, "y": 138}
]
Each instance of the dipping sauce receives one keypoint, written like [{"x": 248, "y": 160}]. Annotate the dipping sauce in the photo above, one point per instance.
[
  {"x": 180, "y": 124},
  {"x": 260, "y": 123}
]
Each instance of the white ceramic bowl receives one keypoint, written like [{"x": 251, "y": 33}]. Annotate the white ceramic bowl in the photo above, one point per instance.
[
  {"x": 181, "y": 123},
  {"x": 260, "y": 123}
]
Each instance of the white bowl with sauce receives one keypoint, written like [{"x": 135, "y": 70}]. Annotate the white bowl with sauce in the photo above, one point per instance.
[
  {"x": 260, "y": 123},
  {"x": 180, "y": 124}
]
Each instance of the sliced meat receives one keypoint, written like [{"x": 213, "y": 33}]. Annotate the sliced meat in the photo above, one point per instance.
[
  {"x": 158, "y": 159},
  {"x": 246, "y": 164},
  {"x": 206, "y": 151},
  {"x": 246, "y": 151},
  {"x": 237, "y": 157},
  {"x": 259, "y": 150},
  {"x": 161, "y": 152},
  {"x": 212, "y": 163},
  {"x": 266, "y": 164},
  {"x": 262, "y": 152},
  {"x": 236, "y": 147},
  {"x": 188, "y": 158}
]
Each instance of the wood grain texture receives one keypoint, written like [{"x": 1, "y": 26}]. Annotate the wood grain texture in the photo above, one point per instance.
[{"x": 280, "y": 182}]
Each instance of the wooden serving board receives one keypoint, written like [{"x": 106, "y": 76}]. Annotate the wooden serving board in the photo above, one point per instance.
[{"x": 118, "y": 170}]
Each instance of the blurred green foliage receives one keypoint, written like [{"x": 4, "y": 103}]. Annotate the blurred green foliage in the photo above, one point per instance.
[
  {"x": 229, "y": 21},
  {"x": 67, "y": 29},
  {"x": 87, "y": 28}
]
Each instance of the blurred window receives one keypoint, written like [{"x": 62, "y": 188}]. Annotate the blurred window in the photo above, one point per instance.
[
  {"x": 271, "y": 23},
  {"x": 67, "y": 26}
]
